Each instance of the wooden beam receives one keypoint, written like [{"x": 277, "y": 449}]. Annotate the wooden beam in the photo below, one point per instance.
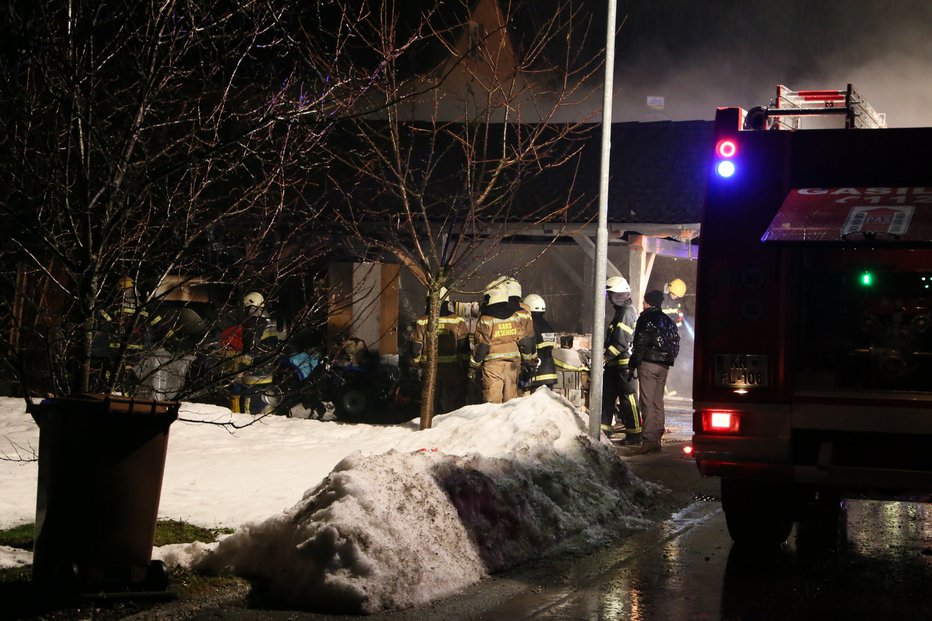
[
  {"x": 388, "y": 309},
  {"x": 588, "y": 246}
]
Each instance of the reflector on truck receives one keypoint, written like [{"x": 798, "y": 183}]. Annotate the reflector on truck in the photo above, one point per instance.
[{"x": 901, "y": 214}]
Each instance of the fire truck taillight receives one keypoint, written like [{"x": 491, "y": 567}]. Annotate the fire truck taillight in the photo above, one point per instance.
[
  {"x": 720, "y": 421},
  {"x": 725, "y": 151}
]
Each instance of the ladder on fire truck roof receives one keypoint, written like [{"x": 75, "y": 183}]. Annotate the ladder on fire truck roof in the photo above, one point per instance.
[{"x": 789, "y": 106}]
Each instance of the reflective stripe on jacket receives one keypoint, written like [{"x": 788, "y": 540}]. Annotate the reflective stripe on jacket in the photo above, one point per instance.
[
  {"x": 501, "y": 334},
  {"x": 620, "y": 336},
  {"x": 452, "y": 340}
]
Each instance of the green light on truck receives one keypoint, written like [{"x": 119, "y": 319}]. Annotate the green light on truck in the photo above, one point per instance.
[{"x": 867, "y": 279}]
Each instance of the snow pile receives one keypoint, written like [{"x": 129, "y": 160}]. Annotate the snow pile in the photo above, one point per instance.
[
  {"x": 389, "y": 516},
  {"x": 395, "y": 530}
]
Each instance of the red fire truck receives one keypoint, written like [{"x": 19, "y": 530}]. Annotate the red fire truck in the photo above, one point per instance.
[{"x": 813, "y": 352}]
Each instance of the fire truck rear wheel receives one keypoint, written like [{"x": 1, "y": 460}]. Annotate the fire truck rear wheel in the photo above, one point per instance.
[{"x": 757, "y": 514}]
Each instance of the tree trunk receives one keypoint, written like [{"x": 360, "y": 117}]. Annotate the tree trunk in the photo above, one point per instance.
[{"x": 429, "y": 389}]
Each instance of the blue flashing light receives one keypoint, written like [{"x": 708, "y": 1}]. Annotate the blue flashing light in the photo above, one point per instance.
[{"x": 725, "y": 169}]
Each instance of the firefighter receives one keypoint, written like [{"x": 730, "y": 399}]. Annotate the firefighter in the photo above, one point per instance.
[
  {"x": 655, "y": 346},
  {"x": 618, "y": 381},
  {"x": 546, "y": 339},
  {"x": 502, "y": 345},
  {"x": 672, "y": 307},
  {"x": 254, "y": 391},
  {"x": 452, "y": 353},
  {"x": 126, "y": 334},
  {"x": 514, "y": 294},
  {"x": 673, "y": 292},
  {"x": 513, "y": 287}
]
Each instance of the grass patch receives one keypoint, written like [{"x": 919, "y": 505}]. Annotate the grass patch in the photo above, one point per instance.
[
  {"x": 166, "y": 532},
  {"x": 173, "y": 531},
  {"x": 22, "y": 599},
  {"x": 18, "y": 537}
]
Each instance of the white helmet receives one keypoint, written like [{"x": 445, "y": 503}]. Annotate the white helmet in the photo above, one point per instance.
[
  {"x": 443, "y": 294},
  {"x": 535, "y": 303},
  {"x": 514, "y": 288},
  {"x": 497, "y": 290},
  {"x": 617, "y": 284},
  {"x": 253, "y": 298}
]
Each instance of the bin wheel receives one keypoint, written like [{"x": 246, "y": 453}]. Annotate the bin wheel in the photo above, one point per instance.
[
  {"x": 66, "y": 579},
  {"x": 156, "y": 576}
]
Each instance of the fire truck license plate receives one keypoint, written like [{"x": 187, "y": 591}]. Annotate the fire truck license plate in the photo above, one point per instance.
[{"x": 741, "y": 370}]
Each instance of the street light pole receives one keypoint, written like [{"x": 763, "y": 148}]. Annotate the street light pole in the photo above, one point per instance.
[{"x": 601, "y": 239}]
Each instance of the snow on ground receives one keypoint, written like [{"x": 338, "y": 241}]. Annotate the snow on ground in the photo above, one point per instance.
[{"x": 365, "y": 518}]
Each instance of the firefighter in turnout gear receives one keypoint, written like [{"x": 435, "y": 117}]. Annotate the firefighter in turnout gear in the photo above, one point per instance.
[
  {"x": 514, "y": 294},
  {"x": 502, "y": 345},
  {"x": 673, "y": 291},
  {"x": 452, "y": 353},
  {"x": 546, "y": 339},
  {"x": 124, "y": 338},
  {"x": 528, "y": 367},
  {"x": 619, "y": 383},
  {"x": 254, "y": 389}
]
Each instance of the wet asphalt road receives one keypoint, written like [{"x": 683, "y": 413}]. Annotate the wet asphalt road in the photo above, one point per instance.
[{"x": 687, "y": 569}]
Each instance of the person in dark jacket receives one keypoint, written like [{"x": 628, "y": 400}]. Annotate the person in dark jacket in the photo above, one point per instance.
[
  {"x": 545, "y": 374},
  {"x": 656, "y": 344},
  {"x": 618, "y": 385}
]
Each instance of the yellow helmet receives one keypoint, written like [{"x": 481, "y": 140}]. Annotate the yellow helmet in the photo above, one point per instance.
[
  {"x": 126, "y": 282},
  {"x": 677, "y": 287}
]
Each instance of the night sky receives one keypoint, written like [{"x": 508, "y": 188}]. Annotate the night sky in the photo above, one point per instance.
[{"x": 700, "y": 54}]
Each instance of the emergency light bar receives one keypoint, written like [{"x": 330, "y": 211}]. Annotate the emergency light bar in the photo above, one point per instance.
[{"x": 725, "y": 151}]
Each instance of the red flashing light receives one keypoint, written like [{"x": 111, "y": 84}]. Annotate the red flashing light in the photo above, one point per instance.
[
  {"x": 720, "y": 421},
  {"x": 726, "y": 148},
  {"x": 688, "y": 449}
]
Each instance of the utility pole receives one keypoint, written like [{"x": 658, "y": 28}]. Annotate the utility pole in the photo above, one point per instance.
[{"x": 601, "y": 239}]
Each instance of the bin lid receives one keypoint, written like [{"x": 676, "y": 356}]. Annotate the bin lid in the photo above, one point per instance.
[{"x": 101, "y": 403}]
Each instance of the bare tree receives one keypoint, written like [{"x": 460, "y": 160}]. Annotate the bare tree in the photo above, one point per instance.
[
  {"x": 434, "y": 174},
  {"x": 174, "y": 145}
]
